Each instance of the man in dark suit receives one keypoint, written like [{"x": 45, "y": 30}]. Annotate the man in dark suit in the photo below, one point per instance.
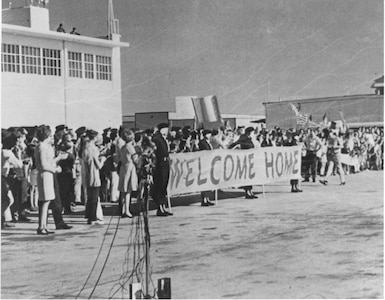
[
  {"x": 204, "y": 144},
  {"x": 161, "y": 170},
  {"x": 245, "y": 142}
]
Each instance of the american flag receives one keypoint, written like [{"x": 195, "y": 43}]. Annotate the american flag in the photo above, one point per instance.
[{"x": 302, "y": 119}]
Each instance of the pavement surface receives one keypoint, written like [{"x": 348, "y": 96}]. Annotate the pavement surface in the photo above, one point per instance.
[{"x": 326, "y": 242}]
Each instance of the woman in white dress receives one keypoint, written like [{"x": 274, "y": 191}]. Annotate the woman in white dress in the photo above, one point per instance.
[
  {"x": 46, "y": 165},
  {"x": 128, "y": 180}
]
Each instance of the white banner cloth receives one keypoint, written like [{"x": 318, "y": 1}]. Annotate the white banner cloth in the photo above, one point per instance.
[
  {"x": 350, "y": 161},
  {"x": 216, "y": 169}
]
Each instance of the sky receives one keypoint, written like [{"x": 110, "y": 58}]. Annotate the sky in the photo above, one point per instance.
[{"x": 245, "y": 52}]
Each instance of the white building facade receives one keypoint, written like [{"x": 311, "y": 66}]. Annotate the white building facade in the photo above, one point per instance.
[{"x": 57, "y": 78}]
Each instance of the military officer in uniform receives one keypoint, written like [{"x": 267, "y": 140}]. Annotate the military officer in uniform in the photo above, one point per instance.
[{"x": 161, "y": 170}]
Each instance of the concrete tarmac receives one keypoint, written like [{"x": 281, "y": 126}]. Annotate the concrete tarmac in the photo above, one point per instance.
[{"x": 326, "y": 242}]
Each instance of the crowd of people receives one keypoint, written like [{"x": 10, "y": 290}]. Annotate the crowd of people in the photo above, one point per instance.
[{"x": 43, "y": 170}]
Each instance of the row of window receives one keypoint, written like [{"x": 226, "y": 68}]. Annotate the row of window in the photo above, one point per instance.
[{"x": 42, "y": 61}]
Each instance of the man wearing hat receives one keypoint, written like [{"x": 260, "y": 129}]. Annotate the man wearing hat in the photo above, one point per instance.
[
  {"x": 334, "y": 144},
  {"x": 61, "y": 128},
  {"x": 107, "y": 132},
  {"x": 245, "y": 141},
  {"x": 240, "y": 131},
  {"x": 205, "y": 144},
  {"x": 161, "y": 170},
  {"x": 81, "y": 131}
]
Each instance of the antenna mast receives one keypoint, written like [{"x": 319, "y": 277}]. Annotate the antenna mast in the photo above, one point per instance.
[{"x": 112, "y": 23}]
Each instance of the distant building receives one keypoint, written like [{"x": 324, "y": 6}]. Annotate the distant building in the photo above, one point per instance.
[
  {"x": 378, "y": 85},
  {"x": 57, "y": 78},
  {"x": 358, "y": 110},
  {"x": 129, "y": 121},
  {"x": 184, "y": 115}
]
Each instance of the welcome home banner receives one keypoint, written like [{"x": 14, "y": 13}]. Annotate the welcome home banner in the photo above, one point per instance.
[{"x": 210, "y": 170}]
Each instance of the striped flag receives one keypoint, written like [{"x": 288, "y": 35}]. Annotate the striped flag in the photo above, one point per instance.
[
  {"x": 207, "y": 109},
  {"x": 302, "y": 119}
]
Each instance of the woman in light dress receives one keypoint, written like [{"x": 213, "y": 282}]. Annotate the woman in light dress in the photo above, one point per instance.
[
  {"x": 128, "y": 180},
  {"x": 46, "y": 165}
]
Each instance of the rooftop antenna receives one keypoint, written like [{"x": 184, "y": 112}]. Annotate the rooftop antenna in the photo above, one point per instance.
[{"x": 112, "y": 23}]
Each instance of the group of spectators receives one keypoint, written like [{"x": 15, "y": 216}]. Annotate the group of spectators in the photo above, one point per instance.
[
  {"x": 61, "y": 29},
  {"x": 58, "y": 170}
]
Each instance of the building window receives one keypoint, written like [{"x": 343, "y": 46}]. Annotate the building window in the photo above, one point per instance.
[
  {"x": 103, "y": 67},
  {"x": 10, "y": 58},
  {"x": 51, "y": 62},
  {"x": 89, "y": 66},
  {"x": 75, "y": 64},
  {"x": 30, "y": 60}
]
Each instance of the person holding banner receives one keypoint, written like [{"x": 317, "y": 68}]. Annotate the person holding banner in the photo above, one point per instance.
[
  {"x": 205, "y": 144},
  {"x": 162, "y": 170},
  {"x": 245, "y": 141},
  {"x": 290, "y": 141}
]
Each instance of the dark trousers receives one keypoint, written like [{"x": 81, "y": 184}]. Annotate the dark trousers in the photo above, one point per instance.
[
  {"x": 247, "y": 188},
  {"x": 66, "y": 189},
  {"x": 161, "y": 176},
  {"x": 206, "y": 194},
  {"x": 311, "y": 162},
  {"x": 56, "y": 206},
  {"x": 105, "y": 192},
  {"x": 4, "y": 197},
  {"x": 18, "y": 205},
  {"x": 92, "y": 202}
]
